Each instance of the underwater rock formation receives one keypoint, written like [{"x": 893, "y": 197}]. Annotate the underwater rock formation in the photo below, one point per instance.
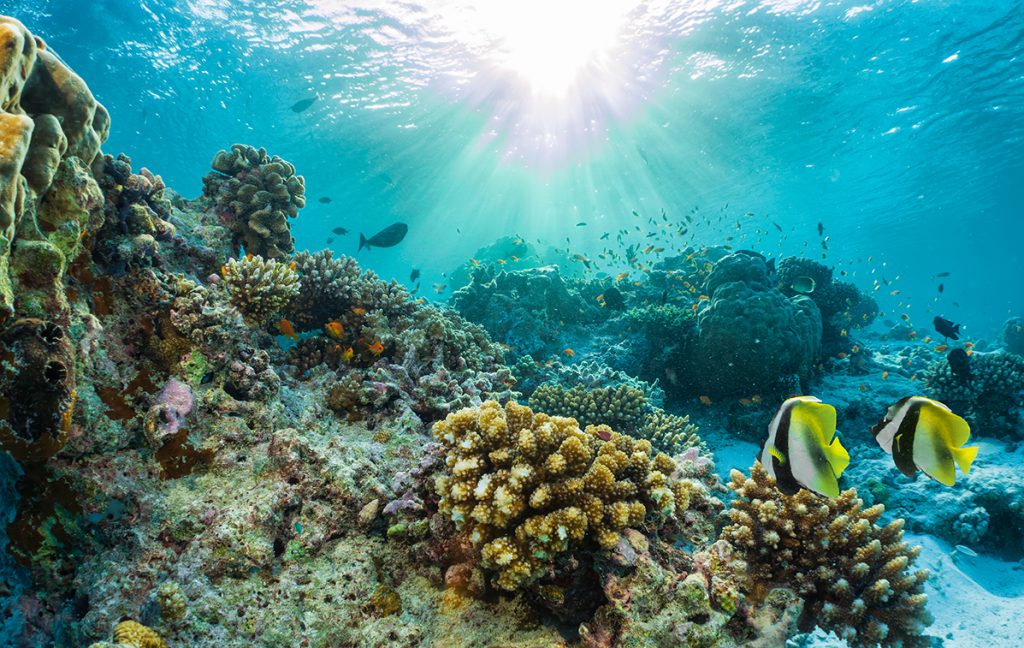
[
  {"x": 527, "y": 487},
  {"x": 1013, "y": 335},
  {"x": 525, "y": 309},
  {"x": 255, "y": 195},
  {"x": 853, "y": 575},
  {"x": 749, "y": 335}
]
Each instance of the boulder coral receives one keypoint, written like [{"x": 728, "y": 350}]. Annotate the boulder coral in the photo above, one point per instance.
[
  {"x": 750, "y": 336},
  {"x": 854, "y": 576},
  {"x": 255, "y": 194},
  {"x": 525, "y": 487},
  {"x": 992, "y": 399}
]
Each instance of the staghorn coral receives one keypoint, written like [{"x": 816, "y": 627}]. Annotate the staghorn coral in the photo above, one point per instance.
[
  {"x": 260, "y": 288},
  {"x": 527, "y": 487},
  {"x": 992, "y": 398},
  {"x": 621, "y": 407},
  {"x": 853, "y": 575},
  {"x": 255, "y": 195}
]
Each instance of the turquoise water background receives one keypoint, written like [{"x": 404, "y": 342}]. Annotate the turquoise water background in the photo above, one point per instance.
[{"x": 898, "y": 126}]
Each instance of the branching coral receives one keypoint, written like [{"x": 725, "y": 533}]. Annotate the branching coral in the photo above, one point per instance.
[
  {"x": 591, "y": 374},
  {"x": 991, "y": 398},
  {"x": 853, "y": 575},
  {"x": 621, "y": 407},
  {"x": 527, "y": 487},
  {"x": 260, "y": 288},
  {"x": 255, "y": 195},
  {"x": 668, "y": 433}
]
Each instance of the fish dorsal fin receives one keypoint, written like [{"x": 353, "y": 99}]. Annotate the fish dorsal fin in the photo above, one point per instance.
[
  {"x": 775, "y": 452},
  {"x": 936, "y": 417}
]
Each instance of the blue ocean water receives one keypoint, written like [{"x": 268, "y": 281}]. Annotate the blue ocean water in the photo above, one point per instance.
[{"x": 896, "y": 125}]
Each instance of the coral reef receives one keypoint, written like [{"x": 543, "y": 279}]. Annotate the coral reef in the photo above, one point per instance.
[
  {"x": 1013, "y": 335},
  {"x": 527, "y": 487},
  {"x": 260, "y": 288},
  {"x": 853, "y": 575},
  {"x": 622, "y": 407},
  {"x": 255, "y": 195},
  {"x": 669, "y": 433},
  {"x": 992, "y": 399},
  {"x": 750, "y": 335},
  {"x": 591, "y": 374}
]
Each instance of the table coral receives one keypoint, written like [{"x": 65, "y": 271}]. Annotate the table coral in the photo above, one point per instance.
[
  {"x": 255, "y": 194},
  {"x": 260, "y": 288},
  {"x": 853, "y": 574},
  {"x": 527, "y": 487}
]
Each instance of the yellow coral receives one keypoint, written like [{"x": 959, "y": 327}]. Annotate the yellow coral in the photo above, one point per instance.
[
  {"x": 526, "y": 487},
  {"x": 133, "y": 633}
]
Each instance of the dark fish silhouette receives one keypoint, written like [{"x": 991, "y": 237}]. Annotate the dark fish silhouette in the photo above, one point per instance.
[
  {"x": 770, "y": 266},
  {"x": 821, "y": 229},
  {"x": 330, "y": 239},
  {"x": 325, "y": 199},
  {"x": 777, "y": 226},
  {"x": 340, "y": 231},
  {"x": 300, "y": 106},
  {"x": 941, "y": 287},
  {"x": 959, "y": 364},
  {"x": 390, "y": 236},
  {"x": 613, "y": 298},
  {"x": 941, "y": 274},
  {"x": 581, "y": 224},
  {"x": 414, "y": 275},
  {"x": 604, "y": 237},
  {"x": 946, "y": 328}
]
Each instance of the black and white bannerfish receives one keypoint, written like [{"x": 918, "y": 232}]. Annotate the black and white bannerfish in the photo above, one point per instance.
[
  {"x": 802, "y": 450},
  {"x": 924, "y": 434}
]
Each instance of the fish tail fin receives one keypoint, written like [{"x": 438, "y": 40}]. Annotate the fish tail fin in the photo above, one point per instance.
[
  {"x": 964, "y": 457},
  {"x": 362, "y": 241}
]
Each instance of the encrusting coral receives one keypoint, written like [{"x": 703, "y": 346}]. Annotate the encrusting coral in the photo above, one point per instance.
[
  {"x": 260, "y": 288},
  {"x": 255, "y": 195},
  {"x": 853, "y": 575},
  {"x": 526, "y": 487}
]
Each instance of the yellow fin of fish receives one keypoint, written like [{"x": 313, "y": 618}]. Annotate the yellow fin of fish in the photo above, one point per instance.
[
  {"x": 773, "y": 451},
  {"x": 823, "y": 457},
  {"x": 938, "y": 443}
]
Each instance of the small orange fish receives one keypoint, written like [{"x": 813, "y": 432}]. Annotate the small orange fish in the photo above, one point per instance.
[
  {"x": 474, "y": 262},
  {"x": 347, "y": 354},
  {"x": 895, "y": 292},
  {"x": 335, "y": 329},
  {"x": 569, "y": 352},
  {"x": 224, "y": 270},
  {"x": 706, "y": 400},
  {"x": 514, "y": 257},
  {"x": 913, "y": 378},
  {"x": 968, "y": 345},
  {"x": 292, "y": 266},
  {"x": 863, "y": 387},
  {"x": 621, "y": 276},
  {"x": 359, "y": 311},
  {"x": 970, "y": 352},
  {"x": 249, "y": 255},
  {"x": 746, "y": 402},
  {"x": 885, "y": 375},
  {"x": 703, "y": 298},
  {"x": 600, "y": 297},
  {"x": 287, "y": 329},
  {"x": 941, "y": 348},
  {"x": 913, "y": 335},
  {"x": 695, "y": 307},
  {"x": 501, "y": 261},
  {"x": 376, "y": 348},
  {"x": 927, "y": 339}
]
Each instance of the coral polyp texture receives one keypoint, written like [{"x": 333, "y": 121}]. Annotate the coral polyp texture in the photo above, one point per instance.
[
  {"x": 855, "y": 576},
  {"x": 526, "y": 487},
  {"x": 255, "y": 194},
  {"x": 991, "y": 398},
  {"x": 260, "y": 288}
]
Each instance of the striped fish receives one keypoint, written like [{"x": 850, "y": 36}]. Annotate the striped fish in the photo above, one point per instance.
[
  {"x": 802, "y": 450},
  {"x": 924, "y": 434}
]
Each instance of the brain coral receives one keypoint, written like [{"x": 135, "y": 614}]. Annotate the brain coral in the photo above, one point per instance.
[
  {"x": 526, "y": 487},
  {"x": 853, "y": 575},
  {"x": 750, "y": 335},
  {"x": 260, "y": 288},
  {"x": 255, "y": 195}
]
